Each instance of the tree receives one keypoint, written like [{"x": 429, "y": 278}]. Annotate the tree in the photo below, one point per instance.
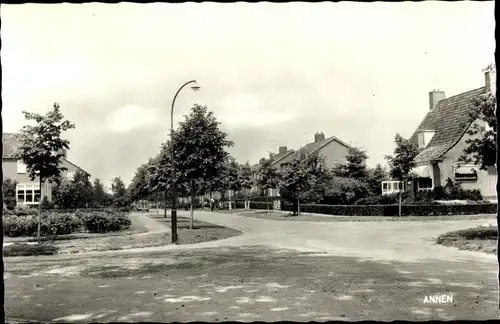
[
  {"x": 375, "y": 178},
  {"x": 63, "y": 195},
  {"x": 269, "y": 177},
  {"x": 120, "y": 197},
  {"x": 246, "y": 182},
  {"x": 82, "y": 189},
  {"x": 200, "y": 149},
  {"x": 9, "y": 193},
  {"x": 403, "y": 160},
  {"x": 100, "y": 197},
  {"x": 138, "y": 188},
  {"x": 355, "y": 166},
  {"x": 481, "y": 146},
  {"x": 305, "y": 174},
  {"x": 42, "y": 148}
]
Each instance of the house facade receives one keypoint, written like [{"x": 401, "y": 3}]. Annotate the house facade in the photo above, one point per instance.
[
  {"x": 28, "y": 191},
  {"x": 332, "y": 149},
  {"x": 442, "y": 137}
]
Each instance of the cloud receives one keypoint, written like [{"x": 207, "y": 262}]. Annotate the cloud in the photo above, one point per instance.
[{"x": 130, "y": 117}]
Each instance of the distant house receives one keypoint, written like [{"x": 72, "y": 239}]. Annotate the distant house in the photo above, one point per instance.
[
  {"x": 442, "y": 135},
  {"x": 27, "y": 191},
  {"x": 332, "y": 149}
]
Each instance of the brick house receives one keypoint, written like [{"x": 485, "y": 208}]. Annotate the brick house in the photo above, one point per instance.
[
  {"x": 332, "y": 149},
  {"x": 441, "y": 136},
  {"x": 27, "y": 191}
]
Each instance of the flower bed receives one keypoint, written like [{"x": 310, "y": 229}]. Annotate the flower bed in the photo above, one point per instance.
[{"x": 61, "y": 223}]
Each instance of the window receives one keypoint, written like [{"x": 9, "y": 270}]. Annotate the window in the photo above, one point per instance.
[
  {"x": 425, "y": 184},
  {"x": 28, "y": 193},
  {"x": 465, "y": 172},
  {"x": 21, "y": 167},
  {"x": 424, "y": 137}
]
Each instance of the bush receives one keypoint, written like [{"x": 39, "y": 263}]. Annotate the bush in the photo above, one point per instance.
[
  {"x": 9, "y": 194},
  {"x": 379, "y": 200},
  {"x": 23, "y": 249},
  {"x": 60, "y": 224},
  {"x": 46, "y": 204},
  {"x": 393, "y": 210},
  {"x": 103, "y": 222},
  {"x": 17, "y": 226},
  {"x": 345, "y": 191}
]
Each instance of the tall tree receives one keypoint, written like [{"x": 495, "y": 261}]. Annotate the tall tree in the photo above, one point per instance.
[
  {"x": 403, "y": 160},
  {"x": 481, "y": 145},
  {"x": 120, "y": 197},
  {"x": 83, "y": 190},
  {"x": 269, "y": 176},
  {"x": 138, "y": 188},
  {"x": 246, "y": 182},
  {"x": 200, "y": 146},
  {"x": 300, "y": 179},
  {"x": 355, "y": 166},
  {"x": 42, "y": 148},
  {"x": 100, "y": 197}
]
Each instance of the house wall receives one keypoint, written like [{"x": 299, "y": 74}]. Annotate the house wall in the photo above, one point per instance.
[
  {"x": 334, "y": 153},
  {"x": 486, "y": 180},
  {"x": 9, "y": 167}
]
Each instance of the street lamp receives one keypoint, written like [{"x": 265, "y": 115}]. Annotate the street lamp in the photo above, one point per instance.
[{"x": 194, "y": 87}]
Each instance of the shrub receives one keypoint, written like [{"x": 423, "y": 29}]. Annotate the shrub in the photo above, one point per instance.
[
  {"x": 379, "y": 200},
  {"x": 46, "y": 204},
  {"x": 103, "y": 222},
  {"x": 23, "y": 249},
  {"x": 393, "y": 210},
  {"x": 17, "y": 226},
  {"x": 60, "y": 224},
  {"x": 9, "y": 193},
  {"x": 345, "y": 191}
]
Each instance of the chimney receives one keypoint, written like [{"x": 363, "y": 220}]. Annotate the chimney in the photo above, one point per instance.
[
  {"x": 318, "y": 137},
  {"x": 282, "y": 150},
  {"x": 434, "y": 97},
  {"x": 490, "y": 79}
]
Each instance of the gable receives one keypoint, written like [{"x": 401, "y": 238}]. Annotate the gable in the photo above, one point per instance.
[{"x": 449, "y": 120}]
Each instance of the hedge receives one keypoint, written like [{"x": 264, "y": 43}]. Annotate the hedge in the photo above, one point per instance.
[
  {"x": 34, "y": 211},
  {"x": 65, "y": 223},
  {"x": 393, "y": 210}
]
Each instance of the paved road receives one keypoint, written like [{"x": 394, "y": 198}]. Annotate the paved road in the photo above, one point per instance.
[{"x": 391, "y": 264}]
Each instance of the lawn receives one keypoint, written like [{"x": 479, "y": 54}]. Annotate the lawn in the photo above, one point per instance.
[
  {"x": 242, "y": 284},
  {"x": 201, "y": 232},
  {"x": 286, "y": 216},
  {"x": 481, "y": 239}
]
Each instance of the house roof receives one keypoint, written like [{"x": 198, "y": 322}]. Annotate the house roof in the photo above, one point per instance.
[
  {"x": 10, "y": 146},
  {"x": 312, "y": 147},
  {"x": 279, "y": 157},
  {"x": 449, "y": 120}
]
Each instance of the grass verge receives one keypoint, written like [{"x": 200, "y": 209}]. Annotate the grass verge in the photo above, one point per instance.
[
  {"x": 201, "y": 232},
  {"x": 480, "y": 239},
  {"x": 23, "y": 249}
]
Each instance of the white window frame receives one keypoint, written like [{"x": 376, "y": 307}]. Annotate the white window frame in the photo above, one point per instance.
[
  {"x": 21, "y": 167},
  {"x": 421, "y": 140},
  {"x": 26, "y": 188},
  {"x": 392, "y": 186},
  {"x": 431, "y": 188},
  {"x": 465, "y": 178}
]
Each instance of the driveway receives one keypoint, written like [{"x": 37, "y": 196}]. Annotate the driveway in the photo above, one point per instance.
[{"x": 276, "y": 270}]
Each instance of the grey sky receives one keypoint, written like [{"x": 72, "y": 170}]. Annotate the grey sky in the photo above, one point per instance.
[{"x": 274, "y": 74}]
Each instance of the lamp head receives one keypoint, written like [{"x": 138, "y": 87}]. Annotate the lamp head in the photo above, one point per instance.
[{"x": 195, "y": 86}]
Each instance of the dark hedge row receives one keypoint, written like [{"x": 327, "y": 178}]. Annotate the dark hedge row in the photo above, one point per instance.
[{"x": 393, "y": 210}]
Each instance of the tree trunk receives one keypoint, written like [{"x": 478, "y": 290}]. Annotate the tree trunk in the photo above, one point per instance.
[
  {"x": 298, "y": 207},
  {"x": 193, "y": 194},
  {"x": 39, "y": 212},
  {"x": 156, "y": 206},
  {"x": 165, "y": 204}
]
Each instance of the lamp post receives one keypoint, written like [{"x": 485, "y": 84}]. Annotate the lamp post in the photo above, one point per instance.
[{"x": 195, "y": 87}]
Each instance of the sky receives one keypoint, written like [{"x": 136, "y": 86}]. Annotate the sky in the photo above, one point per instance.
[{"x": 273, "y": 74}]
